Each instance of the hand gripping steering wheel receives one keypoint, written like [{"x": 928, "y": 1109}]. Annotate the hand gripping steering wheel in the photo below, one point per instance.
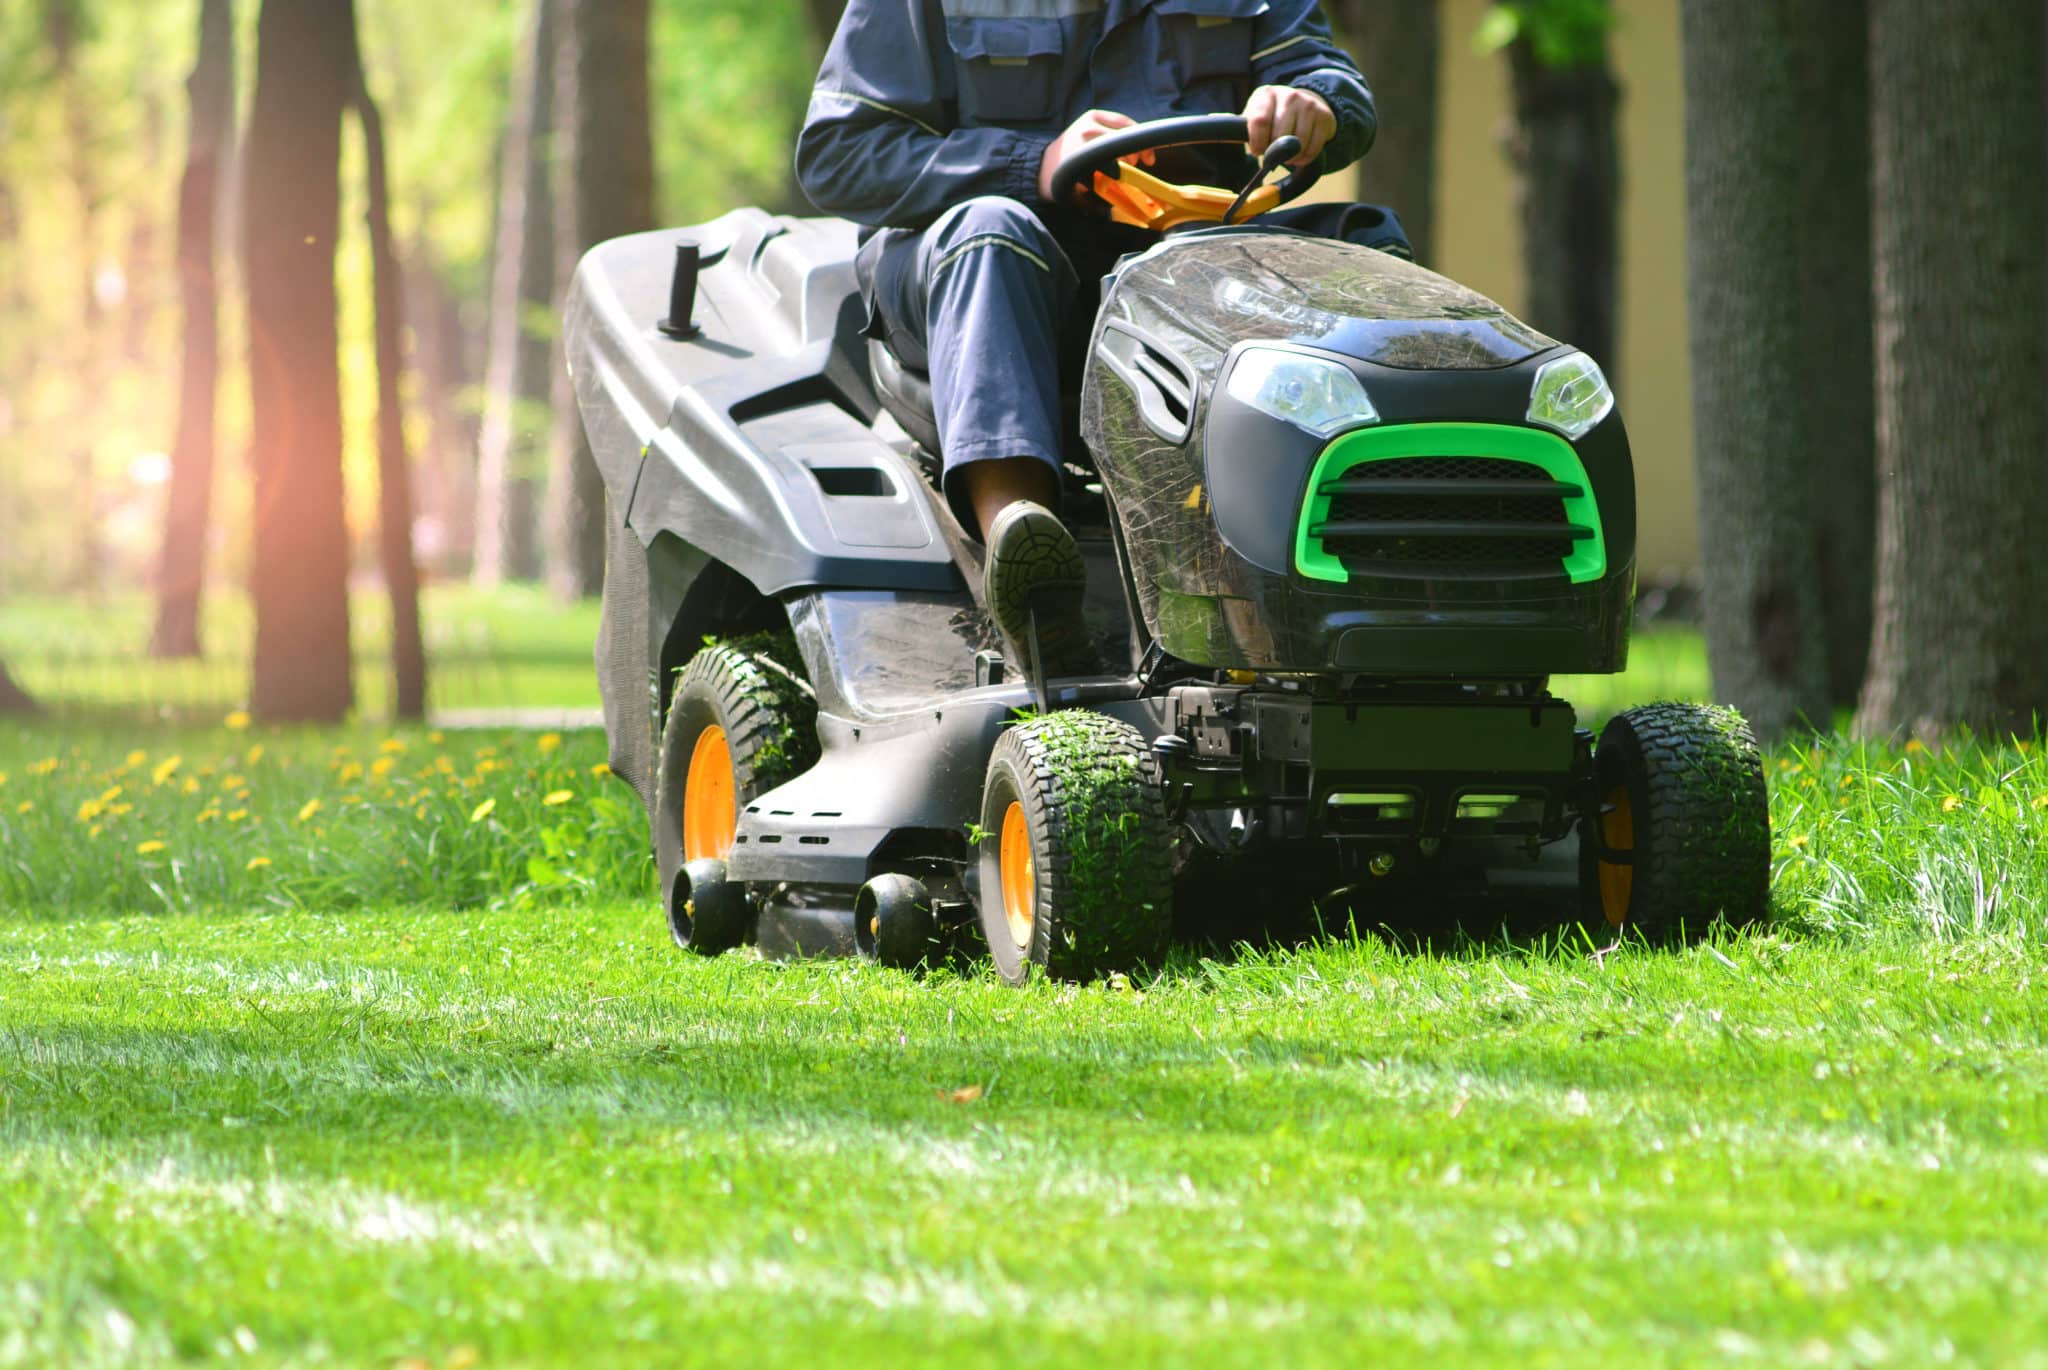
[{"x": 1135, "y": 196}]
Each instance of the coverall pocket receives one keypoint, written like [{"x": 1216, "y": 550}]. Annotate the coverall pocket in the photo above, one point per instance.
[
  {"x": 1007, "y": 68},
  {"x": 1209, "y": 39}
]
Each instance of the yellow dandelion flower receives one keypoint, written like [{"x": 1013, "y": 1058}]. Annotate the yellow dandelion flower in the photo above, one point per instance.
[
  {"x": 118, "y": 810},
  {"x": 237, "y": 815},
  {"x": 110, "y": 795},
  {"x": 3, "y": 777},
  {"x": 547, "y": 742},
  {"x": 191, "y": 785},
  {"x": 601, "y": 768},
  {"x": 96, "y": 830},
  {"x": 207, "y": 816},
  {"x": 1916, "y": 745},
  {"x": 256, "y": 863},
  {"x": 25, "y": 806},
  {"x": 435, "y": 737},
  {"x": 394, "y": 746},
  {"x": 150, "y": 848},
  {"x": 2024, "y": 745},
  {"x": 309, "y": 808},
  {"x": 2040, "y": 801},
  {"x": 90, "y": 809},
  {"x": 381, "y": 767},
  {"x": 255, "y": 754},
  {"x": 483, "y": 811},
  {"x": 1951, "y": 803},
  {"x": 137, "y": 758},
  {"x": 1798, "y": 839},
  {"x": 556, "y": 797},
  {"x": 47, "y": 766},
  {"x": 165, "y": 769},
  {"x": 350, "y": 773},
  {"x": 236, "y": 721},
  {"x": 444, "y": 765}
]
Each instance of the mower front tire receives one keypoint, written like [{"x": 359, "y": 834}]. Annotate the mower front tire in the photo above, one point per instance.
[
  {"x": 1076, "y": 862},
  {"x": 1681, "y": 836},
  {"x": 738, "y": 725}
]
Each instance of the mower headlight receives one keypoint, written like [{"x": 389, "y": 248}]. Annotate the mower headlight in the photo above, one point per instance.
[
  {"x": 1320, "y": 396},
  {"x": 1571, "y": 395}
]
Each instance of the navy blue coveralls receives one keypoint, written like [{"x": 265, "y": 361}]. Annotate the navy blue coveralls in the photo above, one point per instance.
[{"x": 928, "y": 123}]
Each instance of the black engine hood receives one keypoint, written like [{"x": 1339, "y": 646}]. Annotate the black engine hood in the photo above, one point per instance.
[{"x": 1202, "y": 291}]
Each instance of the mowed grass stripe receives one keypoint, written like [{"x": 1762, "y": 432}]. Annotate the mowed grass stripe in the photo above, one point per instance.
[{"x": 1779, "y": 1145}]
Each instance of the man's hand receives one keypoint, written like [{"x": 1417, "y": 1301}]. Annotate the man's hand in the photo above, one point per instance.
[
  {"x": 1275, "y": 111},
  {"x": 1096, "y": 123}
]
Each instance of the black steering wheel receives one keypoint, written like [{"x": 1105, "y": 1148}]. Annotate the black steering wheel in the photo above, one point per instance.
[{"x": 1077, "y": 171}]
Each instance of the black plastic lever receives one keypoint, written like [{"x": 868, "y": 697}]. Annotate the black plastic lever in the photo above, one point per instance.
[{"x": 1285, "y": 148}]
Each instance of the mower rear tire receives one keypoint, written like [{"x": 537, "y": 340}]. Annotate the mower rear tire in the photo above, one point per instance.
[
  {"x": 1683, "y": 809},
  {"x": 1076, "y": 862},
  {"x": 740, "y": 723}
]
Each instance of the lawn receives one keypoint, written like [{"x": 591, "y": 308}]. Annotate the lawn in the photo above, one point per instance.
[
  {"x": 505, "y": 648},
  {"x": 399, "y": 1067}
]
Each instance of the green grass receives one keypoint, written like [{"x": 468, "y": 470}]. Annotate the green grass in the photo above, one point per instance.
[
  {"x": 432, "y": 1086},
  {"x": 422, "y": 1133},
  {"x": 512, "y": 647}
]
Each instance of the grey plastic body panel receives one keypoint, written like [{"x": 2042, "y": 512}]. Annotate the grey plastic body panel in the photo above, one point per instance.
[{"x": 704, "y": 437}]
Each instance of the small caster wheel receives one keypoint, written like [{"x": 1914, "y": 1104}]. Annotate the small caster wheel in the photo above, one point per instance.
[
  {"x": 893, "y": 922},
  {"x": 708, "y": 913}
]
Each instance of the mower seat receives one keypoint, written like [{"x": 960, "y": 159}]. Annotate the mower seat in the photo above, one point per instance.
[{"x": 905, "y": 393}]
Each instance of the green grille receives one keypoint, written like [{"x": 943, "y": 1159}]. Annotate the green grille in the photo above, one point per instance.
[{"x": 1451, "y": 501}]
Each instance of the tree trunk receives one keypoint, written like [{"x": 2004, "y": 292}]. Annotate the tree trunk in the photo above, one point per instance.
[
  {"x": 181, "y": 568},
  {"x": 518, "y": 377},
  {"x": 444, "y": 475},
  {"x": 13, "y": 699},
  {"x": 1830, "y": 54},
  {"x": 1397, "y": 47},
  {"x": 1568, "y": 187},
  {"x": 602, "y": 95},
  {"x": 1759, "y": 443},
  {"x": 64, "y": 24},
  {"x": 824, "y": 16},
  {"x": 394, "y": 474},
  {"x": 305, "y": 62},
  {"x": 1959, "y": 140}
]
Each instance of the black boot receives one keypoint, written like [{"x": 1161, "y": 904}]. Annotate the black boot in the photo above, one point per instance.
[{"x": 1034, "y": 565}]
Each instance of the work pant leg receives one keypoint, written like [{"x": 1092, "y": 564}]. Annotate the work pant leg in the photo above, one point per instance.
[{"x": 977, "y": 300}]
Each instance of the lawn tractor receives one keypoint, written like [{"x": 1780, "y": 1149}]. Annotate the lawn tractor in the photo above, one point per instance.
[{"x": 1343, "y": 519}]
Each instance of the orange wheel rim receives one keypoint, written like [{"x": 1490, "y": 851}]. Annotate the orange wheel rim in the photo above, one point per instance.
[
  {"x": 1618, "y": 834},
  {"x": 1020, "y": 882},
  {"x": 710, "y": 806}
]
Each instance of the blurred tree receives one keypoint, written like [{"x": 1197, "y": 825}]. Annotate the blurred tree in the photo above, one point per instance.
[
  {"x": 64, "y": 28},
  {"x": 1397, "y": 48},
  {"x": 512, "y": 449},
  {"x": 13, "y": 699},
  {"x": 608, "y": 161},
  {"x": 305, "y": 67},
  {"x": 1748, "y": 189},
  {"x": 394, "y": 474},
  {"x": 824, "y": 17},
  {"x": 446, "y": 368},
  {"x": 181, "y": 569},
  {"x": 1961, "y": 213},
  {"x": 1567, "y": 164}
]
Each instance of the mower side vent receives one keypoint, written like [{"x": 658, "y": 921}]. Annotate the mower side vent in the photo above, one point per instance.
[{"x": 1450, "y": 518}]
